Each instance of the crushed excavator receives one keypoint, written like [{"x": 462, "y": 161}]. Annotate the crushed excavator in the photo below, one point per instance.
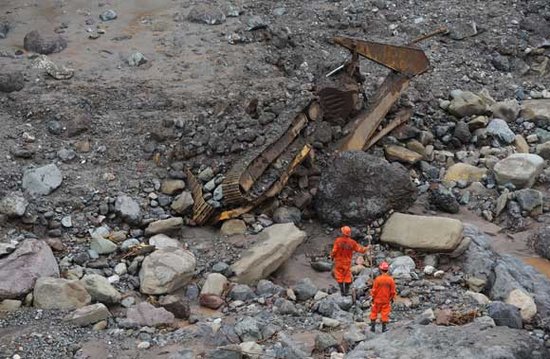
[{"x": 259, "y": 177}]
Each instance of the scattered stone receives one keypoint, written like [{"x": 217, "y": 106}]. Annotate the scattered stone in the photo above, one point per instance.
[
  {"x": 444, "y": 200},
  {"x": 177, "y": 305},
  {"x": 358, "y": 187},
  {"x": 401, "y": 267},
  {"x": 464, "y": 172},
  {"x": 144, "y": 314},
  {"x": 183, "y": 203},
  {"x": 13, "y": 205},
  {"x": 322, "y": 266},
  {"x": 521, "y": 144},
  {"x": 540, "y": 241},
  {"x": 536, "y": 110},
  {"x": 45, "y": 44},
  {"x": 128, "y": 209},
  {"x": 267, "y": 288},
  {"x": 215, "y": 284},
  {"x": 252, "y": 350},
  {"x": 42, "y": 180},
  {"x": 11, "y": 81},
  {"x": 166, "y": 270},
  {"x": 232, "y": 227},
  {"x": 505, "y": 314},
  {"x": 499, "y": 129},
  {"x": 463, "y": 30},
  {"x": 480, "y": 298},
  {"x": 241, "y": 292},
  {"x": 108, "y": 15},
  {"x": 9, "y": 305},
  {"x": 465, "y": 103},
  {"x": 507, "y": 110},
  {"x": 530, "y": 200},
  {"x": 57, "y": 71},
  {"x": 169, "y": 225},
  {"x": 330, "y": 323},
  {"x": 305, "y": 289},
  {"x": 520, "y": 169},
  {"x": 211, "y": 301},
  {"x": 248, "y": 329},
  {"x": 89, "y": 314},
  {"x": 136, "y": 59},
  {"x": 206, "y": 14},
  {"x": 286, "y": 307},
  {"x": 475, "y": 284},
  {"x": 543, "y": 150},
  {"x": 162, "y": 241},
  {"x": 102, "y": 245},
  {"x": 100, "y": 289},
  {"x": 426, "y": 317},
  {"x": 433, "y": 234},
  {"x": 172, "y": 186},
  {"x": 287, "y": 215},
  {"x": 525, "y": 302},
  {"x": 272, "y": 248},
  {"x": 20, "y": 270},
  {"x": 58, "y": 293},
  {"x": 401, "y": 154},
  {"x": 324, "y": 341}
]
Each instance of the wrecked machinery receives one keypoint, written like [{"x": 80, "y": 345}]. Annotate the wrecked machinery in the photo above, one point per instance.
[{"x": 258, "y": 177}]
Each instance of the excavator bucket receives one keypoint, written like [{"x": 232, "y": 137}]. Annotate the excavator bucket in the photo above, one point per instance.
[{"x": 406, "y": 59}]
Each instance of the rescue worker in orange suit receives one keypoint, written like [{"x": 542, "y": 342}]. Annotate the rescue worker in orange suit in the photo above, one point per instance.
[
  {"x": 342, "y": 253},
  {"x": 383, "y": 292}
]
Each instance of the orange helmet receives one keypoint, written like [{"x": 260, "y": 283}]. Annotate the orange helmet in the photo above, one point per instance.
[
  {"x": 346, "y": 231},
  {"x": 384, "y": 266}
]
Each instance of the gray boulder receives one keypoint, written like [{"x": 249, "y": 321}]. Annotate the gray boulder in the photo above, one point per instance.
[
  {"x": 505, "y": 314},
  {"x": 20, "y": 270},
  {"x": 128, "y": 209},
  {"x": 499, "y": 129},
  {"x": 42, "y": 180},
  {"x": 540, "y": 241},
  {"x": 13, "y": 205},
  {"x": 248, "y": 329},
  {"x": 287, "y": 215},
  {"x": 241, "y": 292},
  {"x": 471, "y": 341},
  {"x": 520, "y": 169},
  {"x": 144, "y": 314},
  {"x": 358, "y": 187},
  {"x": 166, "y": 270},
  {"x": 401, "y": 267},
  {"x": 305, "y": 289},
  {"x": 100, "y": 289},
  {"x": 465, "y": 103},
  {"x": 89, "y": 314},
  {"x": 45, "y": 44},
  {"x": 11, "y": 81},
  {"x": 59, "y": 293},
  {"x": 206, "y": 14}
]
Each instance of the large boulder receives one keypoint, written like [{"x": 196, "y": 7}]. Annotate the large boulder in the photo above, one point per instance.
[
  {"x": 505, "y": 314},
  {"x": 45, "y": 44},
  {"x": 144, "y": 314},
  {"x": 520, "y": 169},
  {"x": 166, "y": 270},
  {"x": 358, "y": 187},
  {"x": 42, "y": 180},
  {"x": 89, "y": 314},
  {"x": 472, "y": 341},
  {"x": 20, "y": 270},
  {"x": 432, "y": 234},
  {"x": 59, "y": 293},
  {"x": 272, "y": 248}
]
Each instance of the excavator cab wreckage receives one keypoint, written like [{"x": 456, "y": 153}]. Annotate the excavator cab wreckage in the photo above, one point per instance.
[{"x": 248, "y": 184}]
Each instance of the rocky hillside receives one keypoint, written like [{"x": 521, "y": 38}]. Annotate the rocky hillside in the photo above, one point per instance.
[{"x": 105, "y": 105}]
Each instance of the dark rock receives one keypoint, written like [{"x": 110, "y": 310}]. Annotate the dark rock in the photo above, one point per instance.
[
  {"x": 472, "y": 341},
  {"x": 305, "y": 289},
  {"x": 4, "y": 29},
  {"x": 321, "y": 266},
  {"x": 267, "y": 288},
  {"x": 505, "y": 314},
  {"x": 541, "y": 242},
  {"x": 358, "y": 187},
  {"x": 176, "y": 305},
  {"x": 206, "y": 14},
  {"x": 444, "y": 200},
  {"x": 11, "y": 81},
  {"x": 44, "y": 44},
  {"x": 462, "y": 132},
  {"x": 241, "y": 292},
  {"x": 323, "y": 341},
  {"x": 248, "y": 329}
]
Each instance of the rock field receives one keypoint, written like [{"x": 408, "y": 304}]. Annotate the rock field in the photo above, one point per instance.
[{"x": 104, "y": 105}]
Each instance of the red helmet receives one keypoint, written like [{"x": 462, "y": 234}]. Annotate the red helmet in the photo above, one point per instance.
[
  {"x": 346, "y": 231},
  {"x": 384, "y": 266}
]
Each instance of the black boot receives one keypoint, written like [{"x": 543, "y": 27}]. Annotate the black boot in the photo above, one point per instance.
[
  {"x": 384, "y": 327},
  {"x": 346, "y": 289},
  {"x": 373, "y": 326},
  {"x": 342, "y": 288}
]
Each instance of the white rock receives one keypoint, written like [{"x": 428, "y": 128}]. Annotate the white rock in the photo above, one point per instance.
[
  {"x": 480, "y": 298},
  {"x": 520, "y": 169},
  {"x": 162, "y": 241},
  {"x": 429, "y": 270},
  {"x": 166, "y": 270},
  {"x": 330, "y": 323},
  {"x": 525, "y": 302},
  {"x": 215, "y": 283}
]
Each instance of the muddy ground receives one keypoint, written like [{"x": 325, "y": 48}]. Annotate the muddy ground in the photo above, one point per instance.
[{"x": 186, "y": 104}]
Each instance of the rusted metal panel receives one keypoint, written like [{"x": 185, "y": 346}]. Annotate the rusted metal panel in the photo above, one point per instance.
[
  {"x": 402, "y": 116},
  {"x": 404, "y": 59},
  {"x": 202, "y": 211}
]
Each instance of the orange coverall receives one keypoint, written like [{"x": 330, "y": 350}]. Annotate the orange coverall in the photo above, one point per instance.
[
  {"x": 383, "y": 291},
  {"x": 342, "y": 253}
]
